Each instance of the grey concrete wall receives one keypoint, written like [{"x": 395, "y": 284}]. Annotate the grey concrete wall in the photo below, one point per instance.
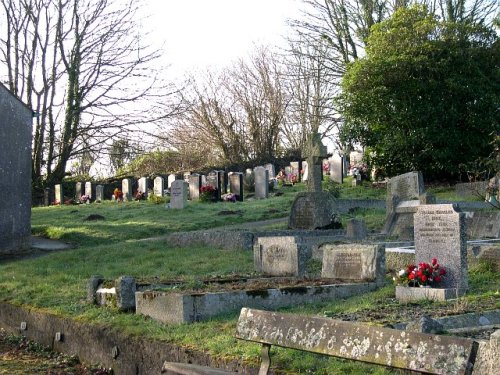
[{"x": 15, "y": 174}]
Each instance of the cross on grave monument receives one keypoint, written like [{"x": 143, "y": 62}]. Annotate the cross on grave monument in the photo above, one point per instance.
[
  {"x": 316, "y": 152},
  {"x": 313, "y": 209}
]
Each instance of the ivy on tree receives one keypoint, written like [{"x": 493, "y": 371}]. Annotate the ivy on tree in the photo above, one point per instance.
[{"x": 425, "y": 96}]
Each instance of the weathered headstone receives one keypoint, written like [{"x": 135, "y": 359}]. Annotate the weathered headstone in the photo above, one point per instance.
[
  {"x": 16, "y": 124},
  {"x": 143, "y": 186},
  {"x": 403, "y": 198},
  {"x": 354, "y": 262},
  {"x": 186, "y": 176},
  {"x": 272, "y": 171},
  {"x": 214, "y": 181},
  {"x": 59, "y": 194},
  {"x": 179, "y": 194},
  {"x": 440, "y": 234},
  {"x": 127, "y": 189},
  {"x": 171, "y": 178},
  {"x": 158, "y": 186},
  {"x": 281, "y": 256},
  {"x": 125, "y": 293},
  {"x": 89, "y": 189},
  {"x": 194, "y": 186},
  {"x": 79, "y": 190},
  {"x": 223, "y": 179},
  {"x": 355, "y": 229},
  {"x": 236, "y": 185},
  {"x": 483, "y": 224},
  {"x": 337, "y": 168},
  {"x": 99, "y": 193},
  {"x": 261, "y": 182},
  {"x": 312, "y": 210}
]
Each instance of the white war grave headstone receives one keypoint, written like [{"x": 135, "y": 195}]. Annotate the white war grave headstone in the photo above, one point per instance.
[{"x": 158, "y": 186}]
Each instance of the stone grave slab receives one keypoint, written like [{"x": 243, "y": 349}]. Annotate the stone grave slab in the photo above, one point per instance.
[
  {"x": 59, "y": 194},
  {"x": 99, "y": 193},
  {"x": 79, "y": 190},
  {"x": 236, "y": 185},
  {"x": 194, "y": 186},
  {"x": 483, "y": 224},
  {"x": 281, "y": 256},
  {"x": 354, "y": 262}
]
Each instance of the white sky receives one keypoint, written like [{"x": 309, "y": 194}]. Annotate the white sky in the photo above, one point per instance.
[{"x": 213, "y": 33}]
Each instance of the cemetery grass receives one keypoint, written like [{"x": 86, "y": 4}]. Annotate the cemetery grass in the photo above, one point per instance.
[{"x": 56, "y": 281}]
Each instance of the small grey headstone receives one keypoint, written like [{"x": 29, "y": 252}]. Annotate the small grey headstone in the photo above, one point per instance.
[
  {"x": 261, "y": 182},
  {"x": 158, "y": 186},
  {"x": 354, "y": 262},
  {"x": 178, "y": 194},
  {"x": 92, "y": 286},
  {"x": 312, "y": 210},
  {"x": 127, "y": 189},
  {"x": 99, "y": 193},
  {"x": 236, "y": 184},
  {"x": 125, "y": 293},
  {"x": 194, "y": 186},
  {"x": 356, "y": 229},
  {"x": 79, "y": 190},
  {"x": 59, "y": 195},
  {"x": 281, "y": 256},
  {"x": 337, "y": 169}
]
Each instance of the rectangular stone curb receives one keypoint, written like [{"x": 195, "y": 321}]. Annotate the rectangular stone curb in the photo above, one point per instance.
[{"x": 407, "y": 294}]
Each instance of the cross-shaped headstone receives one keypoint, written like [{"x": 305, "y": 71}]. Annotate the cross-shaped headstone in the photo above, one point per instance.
[{"x": 315, "y": 152}]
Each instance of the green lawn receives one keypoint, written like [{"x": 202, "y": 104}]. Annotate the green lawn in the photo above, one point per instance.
[{"x": 56, "y": 282}]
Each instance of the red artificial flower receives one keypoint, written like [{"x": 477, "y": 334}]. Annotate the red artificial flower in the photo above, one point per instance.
[
  {"x": 442, "y": 272},
  {"x": 423, "y": 278},
  {"x": 437, "y": 279},
  {"x": 434, "y": 261},
  {"x": 411, "y": 276}
]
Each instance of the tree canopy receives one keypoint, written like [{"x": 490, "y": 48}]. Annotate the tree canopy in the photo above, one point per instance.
[{"x": 425, "y": 96}]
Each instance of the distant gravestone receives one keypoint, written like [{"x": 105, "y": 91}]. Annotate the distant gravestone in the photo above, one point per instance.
[
  {"x": 261, "y": 182},
  {"x": 99, "y": 193},
  {"x": 79, "y": 190},
  {"x": 214, "y": 181},
  {"x": 89, "y": 189},
  {"x": 186, "y": 176},
  {"x": 354, "y": 262},
  {"x": 483, "y": 224},
  {"x": 337, "y": 168},
  {"x": 127, "y": 189},
  {"x": 312, "y": 210},
  {"x": 194, "y": 186},
  {"x": 305, "y": 168},
  {"x": 236, "y": 185},
  {"x": 223, "y": 182},
  {"x": 296, "y": 167},
  {"x": 59, "y": 194},
  {"x": 271, "y": 170},
  {"x": 440, "y": 234},
  {"x": 143, "y": 186},
  {"x": 158, "y": 186},
  {"x": 178, "y": 194},
  {"x": 281, "y": 256},
  {"x": 355, "y": 229},
  {"x": 171, "y": 178}
]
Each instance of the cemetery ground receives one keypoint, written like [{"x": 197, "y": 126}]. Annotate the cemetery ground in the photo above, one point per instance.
[{"x": 55, "y": 282}]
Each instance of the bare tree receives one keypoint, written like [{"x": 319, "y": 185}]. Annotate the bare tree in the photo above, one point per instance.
[{"x": 82, "y": 66}]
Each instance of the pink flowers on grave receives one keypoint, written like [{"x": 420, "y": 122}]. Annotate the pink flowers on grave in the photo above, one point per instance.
[{"x": 423, "y": 274}]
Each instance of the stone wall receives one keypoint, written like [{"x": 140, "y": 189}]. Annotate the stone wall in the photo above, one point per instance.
[{"x": 15, "y": 174}]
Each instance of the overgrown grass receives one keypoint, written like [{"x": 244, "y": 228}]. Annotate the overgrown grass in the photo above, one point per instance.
[{"x": 56, "y": 282}]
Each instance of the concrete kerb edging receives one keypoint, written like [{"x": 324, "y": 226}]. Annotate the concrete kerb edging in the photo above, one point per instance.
[{"x": 103, "y": 345}]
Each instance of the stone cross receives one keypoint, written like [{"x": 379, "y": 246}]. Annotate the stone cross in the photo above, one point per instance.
[{"x": 315, "y": 151}]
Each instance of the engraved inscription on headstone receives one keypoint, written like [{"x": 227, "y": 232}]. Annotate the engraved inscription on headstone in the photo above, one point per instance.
[
  {"x": 440, "y": 234},
  {"x": 347, "y": 264}
]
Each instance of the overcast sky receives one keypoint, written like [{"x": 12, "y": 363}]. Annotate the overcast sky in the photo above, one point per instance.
[{"x": 202, "y": 33}]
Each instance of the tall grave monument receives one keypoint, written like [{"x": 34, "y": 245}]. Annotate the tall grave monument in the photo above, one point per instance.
[
  {"x": 15, "y": 174},
  {"x": 313, "y": 209}
]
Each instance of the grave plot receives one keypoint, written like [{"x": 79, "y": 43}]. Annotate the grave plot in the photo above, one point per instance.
[{"x": 285, "y": 281}]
